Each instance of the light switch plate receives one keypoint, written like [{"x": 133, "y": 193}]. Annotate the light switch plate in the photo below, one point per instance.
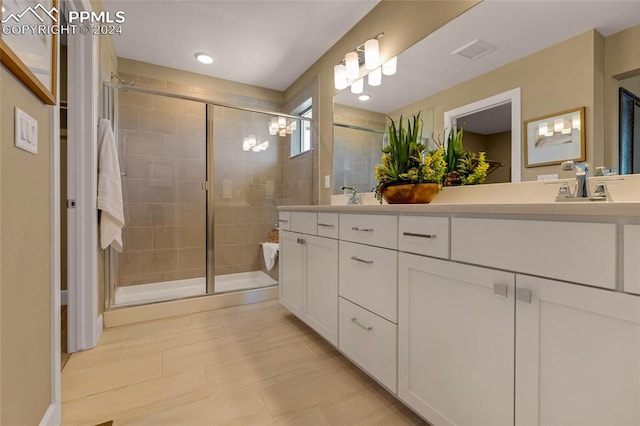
[
  {"x": 26, "y": 132},
  {"x": 327, "y": 181},
  {"x": 552, "y": 176}
]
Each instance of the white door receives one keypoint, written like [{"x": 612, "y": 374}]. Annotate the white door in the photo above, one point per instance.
[
  {"x": 292, "y": 259},
  {"x": 577, "y": 355},
  {"x": 455, "y": 342},
  {"x": 321, "y": 295}
]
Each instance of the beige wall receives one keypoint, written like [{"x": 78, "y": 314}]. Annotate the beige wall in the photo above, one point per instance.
[
  {"x": 404, "y": 23},
  {"x": 622, "y": 62},
  {"x": 497, "y": 147},
  {"x": 574, "y": 80},
  {"x": 25, "y": 267}
]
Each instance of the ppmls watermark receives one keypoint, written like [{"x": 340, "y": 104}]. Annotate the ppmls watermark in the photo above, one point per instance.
[{"x": 40, "y": 20}]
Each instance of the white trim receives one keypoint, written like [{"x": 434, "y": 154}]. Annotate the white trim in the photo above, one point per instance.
[
  {"x": 512, "y": 96},
  {"x": 82, "y": 270},
  {"x": 52, "y": 416},
  {"x": 63, "y": 297}
]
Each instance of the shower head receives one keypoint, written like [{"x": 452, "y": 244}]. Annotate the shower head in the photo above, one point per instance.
[{"x": 122, "y": 80}]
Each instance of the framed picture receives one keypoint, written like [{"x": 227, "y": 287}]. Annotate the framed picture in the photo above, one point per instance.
[
  {"x": 31, "y": 55},
  {"x": 555, "y": 138}
]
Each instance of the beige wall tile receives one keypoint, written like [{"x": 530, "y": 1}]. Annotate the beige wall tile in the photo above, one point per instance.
[
  {"x": 164, "y": 103},
  {"x": 170, "y": 237},
  {"x": 129, "y": 263},
  {"x": 191, "y": 193},
  {"x": 145, "y": 214},
  {"x": 150, "y": 193},
  {"x": 191, "y": 258},
  {"x": 189, "y": 125},
  {"x": 128, "y": 117},
  {"x": 143, "y": 143},
  {"x": 137, "y": 238},
  {"x": 184, "y": 275},
  {"x": 136, "y": 99},
  {"x": 197, "y": 236},
  {"x": 154, "y": 277},
  {"x": 158, "y": 122},
  {"x": 192, "y": 170},
  {"x": 187, "y": 147},
  {"x": 148, "y": 81},
  {"x": 231, "y": 255},
  {"x": 158, "y": 261}
]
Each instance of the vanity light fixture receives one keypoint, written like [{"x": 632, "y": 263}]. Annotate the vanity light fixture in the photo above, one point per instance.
[
  {"x": 357, "y": 86},
  {"x": 278, "y": 126},
  {"x": 347, "y": 72},
  {"x": 204, "y": 58},
  {"x": 364, "y": 97}
]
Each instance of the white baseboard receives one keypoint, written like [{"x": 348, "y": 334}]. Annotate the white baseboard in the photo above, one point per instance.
[
  {"x": 52, "y": 417},
  {"x": 63, "y": 297}
]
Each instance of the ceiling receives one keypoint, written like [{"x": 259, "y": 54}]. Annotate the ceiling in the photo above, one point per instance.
[
  {"x": 488, "y": 121},
  {"x": 263, "y": 43},
  {"x": 517, "y": 28}
]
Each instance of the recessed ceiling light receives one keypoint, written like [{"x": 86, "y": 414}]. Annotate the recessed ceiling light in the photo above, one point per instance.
[
  {"x": 204, "y": 58},
  {"x": 364, "y": 97}
]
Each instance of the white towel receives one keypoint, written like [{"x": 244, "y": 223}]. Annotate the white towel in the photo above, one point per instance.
[
  {"x": 109, "y": 188},
  {"x": 270, "y": 252}
]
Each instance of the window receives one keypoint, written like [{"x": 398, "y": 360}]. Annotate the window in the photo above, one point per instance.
[{"x": 301, "y": 137}]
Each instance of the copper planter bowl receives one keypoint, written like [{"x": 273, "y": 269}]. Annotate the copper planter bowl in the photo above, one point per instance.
[{"x": 410, "y": 193}]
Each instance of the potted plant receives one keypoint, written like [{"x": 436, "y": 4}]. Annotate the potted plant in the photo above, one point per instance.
[
  {"x": 407, "y": 173},
  {"x": 463, "y": 167}
]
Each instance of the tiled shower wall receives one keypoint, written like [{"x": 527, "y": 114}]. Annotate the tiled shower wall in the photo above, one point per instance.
[
  {"x": 163, "y": 143},
  {"x": 247, "y": 185}
]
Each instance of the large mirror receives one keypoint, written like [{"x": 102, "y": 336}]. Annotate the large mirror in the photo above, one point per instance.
[{"x": 491, "y": 49}]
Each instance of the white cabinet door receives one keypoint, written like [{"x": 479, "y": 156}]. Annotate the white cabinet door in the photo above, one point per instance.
[
  {"x": 455, "y": 342},
  {"x": 577, "y": 355},
  {"x": 321, "y": 295},
  {"x": 291, "y": 271}
]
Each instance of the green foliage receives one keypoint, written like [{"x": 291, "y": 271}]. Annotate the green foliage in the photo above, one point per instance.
[
  {"x": 463, "y": 167},
  {"x": 404, "y": 159}
]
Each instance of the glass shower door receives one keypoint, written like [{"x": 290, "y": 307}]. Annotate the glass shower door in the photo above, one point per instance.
[{"x": 162, "y": 142}]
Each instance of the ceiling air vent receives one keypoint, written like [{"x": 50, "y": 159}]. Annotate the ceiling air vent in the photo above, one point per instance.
[{"x": 474, "y": 50}]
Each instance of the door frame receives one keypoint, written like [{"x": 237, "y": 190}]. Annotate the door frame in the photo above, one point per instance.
[
  {"x": 512, "y": 96},
  {"x": 84, "y": 320}
]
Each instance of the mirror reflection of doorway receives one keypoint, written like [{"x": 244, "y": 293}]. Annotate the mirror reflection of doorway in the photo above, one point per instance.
[
  {"x": 629, "y": 132},
  {"x": 489, "y": 131}
]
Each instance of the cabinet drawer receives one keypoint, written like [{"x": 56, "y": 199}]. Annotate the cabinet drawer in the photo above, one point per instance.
[
  {"x": 571, "y": 251},
  {"x": 369, "y": 341},
  {"x": 375, "y": 230},
  {"x": 424, "y": 235},
  {"x": 328, "y": 225},
  {"x": 304, "y": 222},
  {"x": 284, "y": 221},
  {"x": 368, "y": 277},
  {"x": 632, "y": 259}
]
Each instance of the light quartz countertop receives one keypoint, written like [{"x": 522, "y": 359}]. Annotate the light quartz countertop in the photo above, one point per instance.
[{"x": 587, "y": 208}]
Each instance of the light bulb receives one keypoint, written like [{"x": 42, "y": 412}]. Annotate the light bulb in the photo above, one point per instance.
[
  {"x": 352, "y": 65},
  {"x": 371, "y": 54},
  {"x": 340, "y": 77},
  {"x": 389, "y": 67},
  {"x": 558, "y": 125},
  {"x": 576, "y": 121},
  {"x": 542, "y": 129},
  {"x": 375, "y": 77},
  {"x": 283, "y": 132},
  {"x": 357, "y": 86},
  {"x": 204, "y": 58},
  {"x": 282, "y": 122}
]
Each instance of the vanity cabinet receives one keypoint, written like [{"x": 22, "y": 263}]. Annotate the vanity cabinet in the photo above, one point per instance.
[
  {"x": 455, "y": 341},
  {"x": 578, "y": 355},
  {"x": 309, "y": 281}
]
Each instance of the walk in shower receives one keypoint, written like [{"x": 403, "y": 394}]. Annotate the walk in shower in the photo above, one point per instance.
[{"x": 201, "y": 182}]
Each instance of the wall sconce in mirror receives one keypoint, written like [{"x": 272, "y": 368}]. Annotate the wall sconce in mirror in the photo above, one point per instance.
[
  {"x": 280, "y": 126},
  {"x": 363, "y": 61}
]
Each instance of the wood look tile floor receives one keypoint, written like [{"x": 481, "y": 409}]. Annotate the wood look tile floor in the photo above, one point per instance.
[{"x": 246, "y": 365}]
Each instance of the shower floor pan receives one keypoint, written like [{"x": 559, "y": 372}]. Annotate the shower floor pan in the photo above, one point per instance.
[{"x": 170, "y": 290}]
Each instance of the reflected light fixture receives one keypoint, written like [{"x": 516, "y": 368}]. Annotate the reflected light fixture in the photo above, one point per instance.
[
  {"x": 357, "y": 86},
  {"x": 340, "y": 76},
  {"x": 375, "y": 77},
  {"x": 204, "y": 58},
  {"x": 371, "y": 54},
  {"x": 389, "y": 67},
  {"x": 364, "y": 97}
]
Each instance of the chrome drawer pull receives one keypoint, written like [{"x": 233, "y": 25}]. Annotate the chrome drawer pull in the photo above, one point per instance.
[
  {"x": 355, "y": 228},
  {"x": 357, "y": 259},
  {"x": 500, "y": 290},
  {"x": 326, "y": 225},
  {"x": 300, "y": 241},
  {"x": 413, "y": 234},
  {"x": 523, "y": 295},
  {"x": 283, "y": 220},
  {"x": 359, "y": 324}
]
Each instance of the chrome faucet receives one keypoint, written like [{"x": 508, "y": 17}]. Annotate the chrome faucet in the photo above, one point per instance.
[
  {"x": 581, "y": 189},
  {"x": 355, "y": 198}
]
